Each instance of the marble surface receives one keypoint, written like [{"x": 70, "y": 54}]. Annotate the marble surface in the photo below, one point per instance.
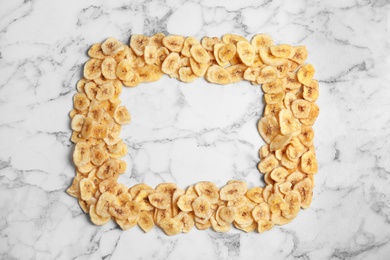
[{"x": 189, "y": 132}]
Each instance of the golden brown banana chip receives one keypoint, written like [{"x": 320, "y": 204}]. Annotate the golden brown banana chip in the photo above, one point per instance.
[
  {"x": 201, "y": 206},
  {"x": 145, "y": 221},
  {"x": 126, "y": 224},
  {"x": 81, "y": 102},
  {"x": 217, "y": 227},
  {"x": 171, "y": 226},
  {"x": 217, "y": 48},
  {"x": 109, "y": 68},
  {"x": 309, "y": 163},
  {"x": 104, "y": 202},
  {"x": 92, "y": 69},
  {"x": 261, "y": 212},
  {"x": 276, "y": 203},
  {"x": 305, "y": 74},
  {"x": 307, "y": 135},
  {"x": 187, "y": 222},
  {"x": 111, "y": 46},
  {"x": 232, "y": 38},
  {"x": 252, "y": 73},
  {"x": 305, "y": 189},
  {"x": 138, "y": 43},
  {"x": 280, "y": 142},
  {"x": 162, "y": 54},
  {"x": 98, "y": 155},
  {"x": 261, "y": 41},
  {"x": 268, "y": 128},
  {"x": 299, "y": 54},
  {"x": 171, "y": 63},
  {"x": 87, "y": 189},
  {"x": 159, "y": 200},
  {"x": 281, "y": 50},
  {"x": 279, "y": 174},
  {"x": 208, "y": 43},
  {"x": 108, "y": 169},
  {"x": 218, "y": 75},
  {"x": 300, "y": 108},
  {"x": 185, "y": 202},
  {"x": 264, "y": 225},
  {"x": 227, "y": 214},
  {"x": 96, "y": 218},
  {"x": 143, "y": 198},
  {"x": 267, "y": 74},
  {"x": 77, "y": 122},
  {"x": 199, "y": 69},
  {"x": 156, "y": 40},
  {"x": 310, "y": 93},
  {"x": 208, "y": 190},
  {"x": 244, "y": 215},
  {"x": 232, "y": 191},
  {"x": 268, "y": 164},
  {"x": 274, "y": 98},
  {"x": 81, "y": 154},
  {"x": 236, "y": 72},
  {"x": 226, "y": 53},
  {"x": 269, "y": 59},
  {"x": 124, "y": 70},
  {"x": 313, "y": 114},
  {"x": 245, "y": 52},
  {"x": 273, "y": 87},
  {"x": 150, "y": 54},
  {"x": 288, "y": 124},
  {"x": 95, "y": 51},
  {"x": 174, "y": 43},
  {"x": 199, "y": 53},
  {"x": 255, "y": 194},
  {"x": 187, "y": 45},
  {"x": 122, "y": 115},
  {"x": 293, "y": 203},
  {"x": 167, "y": 188},
  {"x": 186, "y": 74},
  {"x": 137, "y": 188}
]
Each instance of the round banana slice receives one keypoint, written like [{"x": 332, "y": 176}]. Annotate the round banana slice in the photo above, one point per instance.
[
  {"x": 138, "y": 43},
  {"x": 268, "y": 128},
  {"x": 149, "y": 73},
  {"x": 126, "y": 224},
  {"x": 167, "y": 188},
  {"x": 281, "y": 50},
  {"x": 145, "y": 221},
  {"x": 217, "y": 48},
  {"x": 217, "y": 227},
  {"x": 133, "y": 81},
  {"x": 117, "y": 150},
  {"x": 232, "y": 38},
  {"x": 185, "y": 202},
  {"x": 255, "y": 194},
  {"x": 186, "y": 75},
  {"x": 309, "y": 163},
  {"x": 201, "y": 207},
  {"x": 305, "y": 189},
  {"x": 299, "y": 54},
  {"x": 162, "y": 54},
  {"x": 81, "y": 154},
  {"x": 268, "y": 164},
  {"x": 109, "y": 68},
  {"x": 310, "y": 93},
  {"x": 291, "y": 81},
  {"x": 217, "y": 75},
  {"x": 262, "y": 211},
  {"x": 174, "y": 43},
  {"x": 227, "y": 214},
  {"x": 199, "y": 69},
  {"x": 122, "y": 115},
  {"x": 305, "y": 74},
  {"x": 124, "y": 70},
  {"x": 186, "y": 220},
  {"x": 280, "y": 142},
  {"x": 288, "y": 99},
  {"x": 137, "y": 188},
  {"x": 92, "y": 69},
  {"x": 87, "y": 189},
  {"x": 288, "y": 124},
  {"x": 244, "y": 215},
  {"x": 95, "y": 51},
  {"x": 107, "y": 170},
  {"x": 246, "y": 228},
  {"x": 171, "y": 226},
  {"x": 307, "y": 135},
  {"x": 119, "y": 212},
  {"x": 199, "y": 54},
  {"x": 273, "y": 109},
  {"x": 91, "y": 90},
  {"x": 150, "y": 54},
  {"x": 143, "y": 198},
  {"x": 279, "y": 174},
  {"x": 283, "y": 69},
  {"x": 98, "y": 155},
  {"x": 80, "y": 101},
  {"x": 274, "y": 98},
  {"x": 105, "y": 92},
  {"x": 226, "y": 53},
  {"x": 232, "y": 191},
  {"x": 264, "y": 151},
  {"x": 175, "y": 198},
  {"x": 208, "y": 43},
  {"x": 261, "y": 41},
  {"x": 267, "y": 74},
  {"x": 252, "y": 73},
  {"x": 121, "y": 54},
  {"x": 246, "y": 52},
  {"x": 156, "y": 40},
  {"x": 103, "y": 204},
  {"x": 293, "y": 203},
  {"x": 188, "y": 43},
  {"x": 273, "y": 87},
  {"x": 99, "y": 131},
  {"x": 171, "y": 63},
  {"x": 96, "y": 218},
  {"x": 314, "y": 111},
  {"x": 111, "y": 46},
  {"x": 264, "y": 225},
  {"x": 159, "y": 200},
  {"x": 269, "y": 59},
  {"x": 276, "y": 203},
  {"x": 77, "y": 122},
  {"x": 236, "y": 72},
  {"x": 160, "y": 214},
  {"x": 208, "y": 190},
  {"x": 300, "y": 108}
]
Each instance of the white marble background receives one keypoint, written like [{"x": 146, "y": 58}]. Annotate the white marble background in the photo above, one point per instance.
[{"x": 189, "y": 132}]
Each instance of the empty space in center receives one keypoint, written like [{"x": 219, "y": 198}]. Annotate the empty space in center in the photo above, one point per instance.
[{"x": 190, "y": 132}]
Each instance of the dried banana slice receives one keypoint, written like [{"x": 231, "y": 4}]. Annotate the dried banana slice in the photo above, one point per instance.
[
  {"x": 77, "y": 122},
  {"x": 267, "y": 74},
  {"x": 280, "y": 142},
  {"x": 269, "y": 59},
  {"x": 268, "y": 128},
  {"x": 311, "y": 92},
  {"x": 264, "y": 225},
  {"x": 138, "y": 43},
  {"x": 145, "y": 221},
  {"x": 232, "y": 38},
  {"x": 185, "y": 202},
  {"x": 174, "y": 43},
  {"x": 261, "y": 41},
  {"x": 252, "y": 73},
  {"x": 208, "y": 190},
  {"x": 309, "y": 163},
  {"x": 279, "y": 174},
  {"x": 305, "y": 189},
  {"x": 171, "y": 63},
  {"x": 105, "y": 201},
  {"x": 187, "y": 222},
  {"x": 156, "y": 40},
  {"x": 199, "y": 69},
  {"x": 217, "y": 227},
  {"x": 300, "y": 108},
  {"x": 98, "y": 155},
  {"x": 227, "y": 214},
  {"x": 199, "y": 54},
  {"x": 236, "y": 72},
  {"x": 122, "y": 115},
  {"x": 137, "y": 188},
  {"x": 306, "y": 136},
  {"x": 143, "y": 198},
  {"x": 293, "y": 203},
  {"x": 111, "y": 46},
  {"x": 80, "y": 101},
  {"x": 244, "y": 215},
  {"x": 188, "y": 43},
  {"x": 305, "y": 74},
  {"x": 96, "y": 218},
  {"x": 273, "y": 87},
  {"x": 171, "y": 226},
  {"x": 232, "y": 191},
  {"x": 245, "y": 52},
  {"x": 299, "y": 54},
  {"x": 281, "y": 50},
  {"x": 92, "y": 69},
  {"x": 288, "y": 124},
  {"x": 276, "y": 203},
  {"x": 186, "y": 75},
  {"x": 87, "y": 189},
  {"x": 314, "y": 111},
  {"x": 268, "y": 164},
  {"x": 262, "y": 211},
  {"x": 255, "y": 194},
  {"x": 159, "y": 200},
  {"x": 126, "y": 224},
  {"x": 105, "y": 92},
  {"x": 226, "y": 53},
  {"x": 208, "y": 43},
  {"x": 95, "y": 51},
  {"x": 81, "y": 154},
  {"x": 217, "y": 48},
  {"x": 274, "y": 98},
  {"x": 201, "y": 207},
  {"x": 124, "y": 70},
  {"x": 217, "y": 75},
  {"x": 108, "y": 169},
  {"x": 150, "y": 54}
]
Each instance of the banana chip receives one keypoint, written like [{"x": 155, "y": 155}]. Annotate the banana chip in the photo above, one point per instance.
[{"x": 218, "y": 75}]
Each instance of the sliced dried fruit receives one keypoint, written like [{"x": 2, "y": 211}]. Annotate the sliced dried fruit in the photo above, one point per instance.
[
  {"x": 279, "y": 142},
  {"x": 199, "y": 69},
  {"x": 111, "y": 46},
  {"x": 171, "y": 226},
  {"x": 261, "y": 41},
  {"x": 267, "y": 74},
  {"x": 171, "y": 63},
  {"x": 187, "y": 222},
  {"x": 199, "y": 53},
  {"x": 145, "y": 221},
  {"x": 245, "y": 52},
  {"x": 226, "y": 52},
  {"x": 305, "y": 189},
  {"x": 264, "y": 225},
  {"x": 236, "y": 72},
  {"x": 150, "y": 54},
  {"x": 138, "y": 43},
  {"x": 201, "y": 206},
  {"x": 268, "y": 128},
  {"x": 92, "y": 69},
  {"x": 122, "y": 115},
  {"x": 232, "y": 191},
  {"x": 268, "y": 164},
  {"x": 217, "y": 75},
  {"x": 309, "y": 163},
  {"x": 159, "y": 200},
  {"x": 174, "y": 42},
  {"x": 186, "y": 75},
  {"x": 293, "y": 203},
  {"x": 281, "y": 50},
  {"x": 305, "y": 74},
  {"x": 311, "y": 92},
  {"x": 261, "y": 211}
]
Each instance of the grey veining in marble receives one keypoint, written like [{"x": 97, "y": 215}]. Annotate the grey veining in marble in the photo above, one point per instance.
[{"x": 188, "y": 132}]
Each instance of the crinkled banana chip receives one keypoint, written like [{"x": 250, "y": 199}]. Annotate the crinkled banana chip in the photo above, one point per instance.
[{"x": 288, "y": 159}]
